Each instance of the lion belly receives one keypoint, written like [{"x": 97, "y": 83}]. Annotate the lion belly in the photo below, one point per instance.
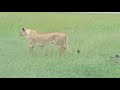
[{"x": 43, "y": 41}]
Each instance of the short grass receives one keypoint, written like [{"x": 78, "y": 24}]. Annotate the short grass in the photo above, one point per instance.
[{"x": 97, "y": 36}]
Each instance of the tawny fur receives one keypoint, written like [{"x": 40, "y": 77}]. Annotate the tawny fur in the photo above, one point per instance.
[{"x": 43, "y": 39}]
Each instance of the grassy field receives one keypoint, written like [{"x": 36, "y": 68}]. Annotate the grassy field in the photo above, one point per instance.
[{"x": 97, "y": 36}]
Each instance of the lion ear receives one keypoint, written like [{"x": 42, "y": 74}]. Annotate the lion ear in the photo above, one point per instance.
[{"x": 23, "y": 29}]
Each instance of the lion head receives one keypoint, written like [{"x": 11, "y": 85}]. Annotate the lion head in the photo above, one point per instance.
[{"x": 22, "y": 32}]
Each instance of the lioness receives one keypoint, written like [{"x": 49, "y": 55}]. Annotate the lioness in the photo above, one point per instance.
[{"x": 43, "y": 39}]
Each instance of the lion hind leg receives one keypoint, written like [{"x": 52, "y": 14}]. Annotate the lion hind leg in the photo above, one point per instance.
[{"x": 62, "y": 49}]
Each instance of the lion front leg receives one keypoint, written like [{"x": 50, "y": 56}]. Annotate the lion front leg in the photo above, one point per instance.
[{"x": 31, "y": 50}]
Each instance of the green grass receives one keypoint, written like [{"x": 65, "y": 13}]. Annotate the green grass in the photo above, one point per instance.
[{"x": 97, "y": 36}]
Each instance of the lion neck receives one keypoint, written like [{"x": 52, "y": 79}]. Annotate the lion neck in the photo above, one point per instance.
[{"x": 28, "y": 32}]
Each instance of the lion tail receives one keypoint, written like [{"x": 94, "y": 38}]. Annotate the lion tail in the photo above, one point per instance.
[{"x": 78, "y": 51}]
